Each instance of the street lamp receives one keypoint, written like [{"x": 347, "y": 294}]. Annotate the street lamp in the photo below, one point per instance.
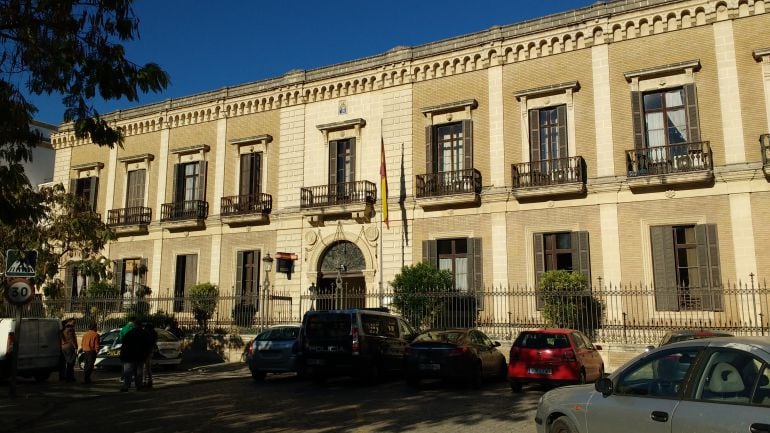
[{"x": 267, "y": 264}]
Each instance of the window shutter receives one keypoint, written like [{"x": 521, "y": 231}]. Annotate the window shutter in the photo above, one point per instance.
[
  {"x": 581, "y": 257},
  {"x": 94, "y": 193},
  {"x": 143, "y": 264},
  {"x": 476, "y": 271},
  {"x": 255, "y": 287},
  {"x": 534, "y": 136},
  {"x": 352, "y": 144},
  {"x": 202, "y": 175},
  {"x": 136, "y": 191},
  {"x": 561, "y": 113},
  {"x": 73, "y": 186},
  {"x": 430, "y": 253},
  {"x": 332, "y": 163},
  {"x": 539, "y": 266},
  {"x": 245, "y": 180},
  {"x": 710, "y": 288},
  {"x": 69, "y": 273},
  {"x": 663, "y": 268},
  {"x": 178, "y": 189},
  {"x": 191, "y": 271},
  {"x": 257, "y": 173},
  {"x": 119, "y": 265},
  {"x": 239, "y": 292},
  {"x": 693, "y": 123},
  {"x": 468, "y": 144},
  {"x": 429, "y": 150},
  {"x": 637, "y": 115}
]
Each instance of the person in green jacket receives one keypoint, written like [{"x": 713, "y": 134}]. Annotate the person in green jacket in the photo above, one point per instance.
[{"x": 127, "y": 327}]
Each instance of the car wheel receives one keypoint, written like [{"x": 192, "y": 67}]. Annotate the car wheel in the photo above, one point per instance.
[
  {"x": 503, "y": 373},
  {"x": 582, "y": 377},
  {"x": 563, "y": 425},
  {"x": 601, "y": 372},
  {"x": 42, "y": 377},
  {"x": 516, "y": 386},
  {"x": 258, "y": 376}
]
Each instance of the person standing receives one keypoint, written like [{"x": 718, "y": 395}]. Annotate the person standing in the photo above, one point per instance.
[
  {"x": 127, "y": 327},
  {"x": 152, "y": 339},
  {"x": 132, "y": 355},
  {"x": 89, "y": 344},
  {"x": 69, "y": 349}
]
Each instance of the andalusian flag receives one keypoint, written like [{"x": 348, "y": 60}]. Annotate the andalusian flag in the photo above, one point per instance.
[{"x": 384, "y": 184}]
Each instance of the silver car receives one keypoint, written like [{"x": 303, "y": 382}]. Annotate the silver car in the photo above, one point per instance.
[
  {"x": 273, "y": 351},
  {"x": 717, "y": 385}
]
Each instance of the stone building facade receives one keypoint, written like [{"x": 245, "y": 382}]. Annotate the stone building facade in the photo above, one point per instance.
[{"x": 621, "y": 139}]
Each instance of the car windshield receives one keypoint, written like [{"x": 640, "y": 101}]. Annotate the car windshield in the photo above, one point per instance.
[
  {"x": 328, "y": 325},
  {"x": 453, "y": 337},
  {"x": 541, "y": 340},
  {"x": 109, "y": 338},
  {"x": 164, "y": 335},
  {"x": 279, "y": 334},
  {"x": 675, "y": 338}
]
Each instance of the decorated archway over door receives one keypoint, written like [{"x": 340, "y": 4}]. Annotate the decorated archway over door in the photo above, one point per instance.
[{"x": 341, "y": 282}]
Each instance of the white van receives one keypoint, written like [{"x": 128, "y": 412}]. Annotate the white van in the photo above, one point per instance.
[{"x": 39, "y": 347}]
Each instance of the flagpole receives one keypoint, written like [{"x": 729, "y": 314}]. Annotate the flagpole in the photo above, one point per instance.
[{"x": 382, "y": 234}]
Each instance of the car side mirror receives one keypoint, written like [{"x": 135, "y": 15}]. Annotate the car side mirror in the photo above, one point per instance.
[
  {"x": 604, "y": 386},
  {"x": 496, "y": 344},
  {"x": 597, "y": 346}
]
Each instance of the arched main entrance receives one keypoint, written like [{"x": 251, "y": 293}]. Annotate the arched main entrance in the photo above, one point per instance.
[{"x": 341, "y": 282}]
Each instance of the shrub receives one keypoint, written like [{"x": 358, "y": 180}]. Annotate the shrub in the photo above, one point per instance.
[
  {"x": 567, "y": 301},
  {"x": 203, "y": 301},
  {"x": 419, "y": 293}
]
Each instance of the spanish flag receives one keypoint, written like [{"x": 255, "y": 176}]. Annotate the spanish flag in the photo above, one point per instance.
[{"x": 384, "y": 184}]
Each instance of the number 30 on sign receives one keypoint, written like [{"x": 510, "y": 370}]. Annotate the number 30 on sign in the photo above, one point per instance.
[{"x": 19, "y": 291}]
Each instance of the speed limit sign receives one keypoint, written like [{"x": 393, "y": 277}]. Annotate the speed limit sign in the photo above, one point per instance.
[{"x": 19, "y": 291}]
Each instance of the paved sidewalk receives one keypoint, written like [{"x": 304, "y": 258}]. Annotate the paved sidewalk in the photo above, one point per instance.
[{"x": 35, "y": 400}]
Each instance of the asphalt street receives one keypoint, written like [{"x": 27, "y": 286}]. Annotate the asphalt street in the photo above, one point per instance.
[{"x": 225, "y": 399}]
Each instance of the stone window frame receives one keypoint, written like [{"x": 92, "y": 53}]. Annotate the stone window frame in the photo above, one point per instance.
[
  {"x": 341, "y": 131},
  {"x": 547, "y": 97},
  {"x": 137, "y": 162},
  {"x": 443, "y": 114},
  {"x": 246, "y": 145}
]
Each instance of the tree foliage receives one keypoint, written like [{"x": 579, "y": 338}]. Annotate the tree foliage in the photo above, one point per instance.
[
  {"x": 203, "y": 298},
  {"x": 69, "y": 48},
  {"x": 567, "y": 301},
  {"x": 418, "y": 293},
  {"x": 66, "y": 231}
]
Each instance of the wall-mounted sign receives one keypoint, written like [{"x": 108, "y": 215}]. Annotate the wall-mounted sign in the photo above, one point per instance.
[{"x": 284, "y": 263}]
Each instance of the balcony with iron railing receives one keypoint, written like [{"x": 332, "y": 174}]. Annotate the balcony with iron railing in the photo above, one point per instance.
[
  {"x": 764, "y": 146},
  {"x": 449, "y": 188},
  {"x": 184, "y": 215},
  {"x": 354, "y": 198},
  {"x": 675, "y": 164},
  {"x": 247, "y": 209},
  {"x": 130, "y": 220},
  {"x": 549, "y": 177}
]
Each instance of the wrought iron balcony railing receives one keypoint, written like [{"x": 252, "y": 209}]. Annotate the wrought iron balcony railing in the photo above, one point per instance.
[
  {"x": 184, "y": 210},
  {"x": 247, "y": 204},
  {"x": 549, "y": 172},
  {"x": 671, "y": 159},
  {"x": 449, "y": 183},
  {"x": 129, "y": 216},
  {"x": 764, "y": 143},
  {"x": 361, "y": 191}
]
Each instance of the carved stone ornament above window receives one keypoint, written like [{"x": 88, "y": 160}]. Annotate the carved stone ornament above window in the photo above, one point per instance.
[
  {"x": 144, "y": 157},
  {"x": 449, "y": 112},
  {"x": 762, "y": 54},
  {"x": 340, "y": 128},
  {"x": 88, "y": 166},
  {"x": 257, "y": 143},
  {"x": 686, "y": 67},
  {"x": 553, "y": 89},
  {"x": 191, "y": 149}
]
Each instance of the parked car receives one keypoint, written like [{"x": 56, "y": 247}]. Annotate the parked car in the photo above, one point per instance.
[
  {"x": 718, "y": 385},
  {"x": 466, "y": 355},
  {"x": 365, "y": 343},
  {"x": 274, "y": 351},
  {"x": 168, "y": 350},
  {"x": 689, "y": 334},
  {"x": 553, "y": 356},
  {"x": 39, "y": 347}
]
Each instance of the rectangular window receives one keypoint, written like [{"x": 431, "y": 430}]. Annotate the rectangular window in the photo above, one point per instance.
[
  {"x": 86, "y": 189},
  {"x": 130, "y": 278},
  {"x": 665, "y": 117},
  {"x": 449, "y": 147},
  {"x": 461, "y": 257},
  {"x": 135, "y": 188},
  {"x": 190, "y": 181},
  {"x": 562, "y": 251},
  {"x": 686, "y": 267},
  {"x": 247, "y": 276},
  {"x": 186, "y": 275},
  {"x": 76, "y": 282},
  {"x": 548, "y": 134},
  {"x": 251, "y": 174},
  {"x": 342, "y": 161}
]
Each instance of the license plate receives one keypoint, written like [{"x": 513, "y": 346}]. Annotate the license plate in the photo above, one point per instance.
[
  {"x": 539, "y": 371},
  {"x": 314, "y": 361},
  {"x": 430, "y": 367}
]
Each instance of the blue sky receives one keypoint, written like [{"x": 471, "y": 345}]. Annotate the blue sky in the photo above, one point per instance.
[{"x": 206, "y": 45}]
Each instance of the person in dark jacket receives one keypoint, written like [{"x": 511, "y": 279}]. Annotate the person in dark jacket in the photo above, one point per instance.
[
  {"x": 152, "y": 339},
  {"x": 133, "y": 352},
  {"x": 69, "y": 349}
]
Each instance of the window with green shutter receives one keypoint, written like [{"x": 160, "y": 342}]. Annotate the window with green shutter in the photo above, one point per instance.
[
  {"x": 461, "y": 257},
  {"x": 568, "y": 251}
]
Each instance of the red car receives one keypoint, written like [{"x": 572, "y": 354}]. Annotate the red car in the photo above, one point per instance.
[{"x": 554, "y": 356}]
